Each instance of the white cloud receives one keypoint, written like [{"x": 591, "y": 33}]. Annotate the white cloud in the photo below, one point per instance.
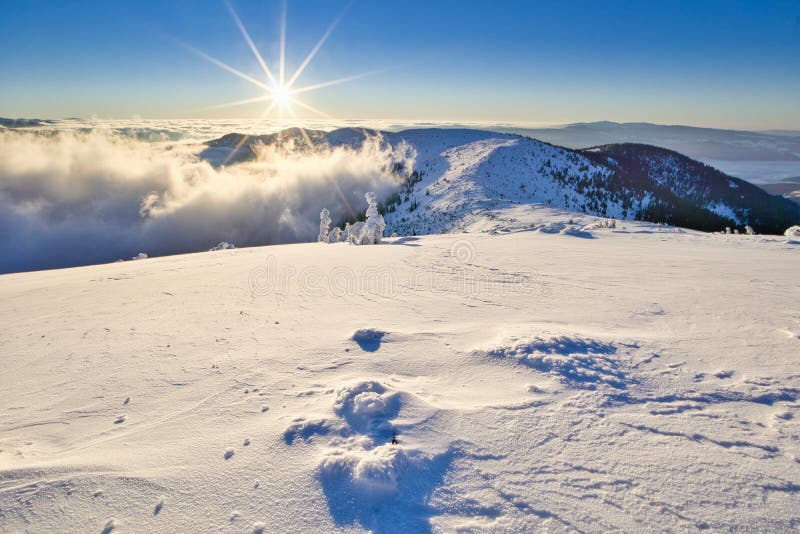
[{"x": 72, "y": 197}]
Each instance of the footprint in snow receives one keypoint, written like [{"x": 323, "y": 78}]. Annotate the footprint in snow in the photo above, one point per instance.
[
  {"x": 120, "y": 419},
  {"x": 246, "y": 442},
  {"x": 159, "y": 506},
  {"x": 229, "y": 452},
  {"x": 110, "y": 525}
]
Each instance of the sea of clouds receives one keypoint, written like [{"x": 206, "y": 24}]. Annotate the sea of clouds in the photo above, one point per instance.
[{"x": 77, "y": 193}]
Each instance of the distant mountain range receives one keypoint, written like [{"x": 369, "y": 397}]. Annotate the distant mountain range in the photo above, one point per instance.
[
  {"x": 789, "y": 188},
  {"x": 760, "y": 157},
  {"x": 698, "y": 143},
  {"x": 23, "y": 123},
  {"x": 461, "y": 173}
]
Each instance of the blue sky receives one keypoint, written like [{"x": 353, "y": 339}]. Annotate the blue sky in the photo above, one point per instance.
[{"x": 707, "y": 63}]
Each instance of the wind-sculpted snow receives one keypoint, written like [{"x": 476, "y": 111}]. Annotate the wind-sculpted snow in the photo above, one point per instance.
[
  {"x": 72, "y": 198},
  {"x": 581, "y": 363}
]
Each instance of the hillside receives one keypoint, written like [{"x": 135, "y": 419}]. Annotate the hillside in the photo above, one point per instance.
[
  {"x": 530, "y": 381},
  {"x": 689, "y": 193}
]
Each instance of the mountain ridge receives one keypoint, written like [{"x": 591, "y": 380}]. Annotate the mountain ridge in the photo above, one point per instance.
[{"x": 461, "y": 171}]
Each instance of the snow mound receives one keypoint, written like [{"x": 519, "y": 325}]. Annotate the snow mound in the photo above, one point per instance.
[
  {"x": 367, "y": 407},
  {"x": 792, "y": 231},
  {"x": 576, "y": 231},
  {"x": 564, "y": 228},
  {"x": 369, "y": 469},
  {"x": 384, "y": 488},
  {"x": 306, "y": 429},
  {"x": 369, "y": 339},
  {"x": 555, "y": 227},
  {"x": 369, "y": 477}
]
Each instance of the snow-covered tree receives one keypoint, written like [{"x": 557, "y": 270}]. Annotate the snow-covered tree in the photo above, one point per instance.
[
  {"x": 335, "y": 235},
  {"x": 223, "y": 245},
  {"x": 324, "y": 225},
  {"x": 749, "y": 230},
  {"x": 375, "y": 225},
  {"x": 356, "y": 234}
]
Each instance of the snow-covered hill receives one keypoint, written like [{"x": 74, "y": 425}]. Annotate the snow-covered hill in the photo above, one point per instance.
[
  {"x": 459, "y": 174},
  {"x": 463, "y": 174},
  {"x": 642, "y": 378},
  {"x": 693, "y": 194}
]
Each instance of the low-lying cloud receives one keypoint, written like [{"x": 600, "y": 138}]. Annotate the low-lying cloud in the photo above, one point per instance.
[{"x": 77, "y": 198}]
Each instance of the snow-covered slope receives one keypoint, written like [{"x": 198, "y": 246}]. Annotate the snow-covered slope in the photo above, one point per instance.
[
  {"x": 464, "y": 173},
  {"x": 638, "y": 379},
  {"x": 693, "y": 193}
]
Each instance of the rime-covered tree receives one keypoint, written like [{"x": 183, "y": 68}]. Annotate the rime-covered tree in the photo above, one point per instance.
[
  {"x": 324, "y": 225},
  {"x": 374, "y": 225},
  {"x": 335, "y": 235}
]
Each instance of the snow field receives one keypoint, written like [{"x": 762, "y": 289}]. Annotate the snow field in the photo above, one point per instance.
[{"x": 639, "y": 378}]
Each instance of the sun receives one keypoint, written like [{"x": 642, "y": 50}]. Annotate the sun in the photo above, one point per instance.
[{"x": 279, "y": 93}]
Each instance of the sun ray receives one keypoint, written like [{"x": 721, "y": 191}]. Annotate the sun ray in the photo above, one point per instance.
[
  {"x": 282, "y": 64},
  {"x": 303, "y": 132},
  {"x": 316, "y": 48},
  {"x": 225, "y": 66},
  {"x": 278, "y": 91},
  {"x": 250, "y": 42},
  {"x": 309, "y": 108},
  {"x": 316, "y": 86},
  {"x": 235, "y": 150},
  {"x": 242, "y": 102},
  {"x": 336, "y": 187},
  {"x": 245, "y": 137}
]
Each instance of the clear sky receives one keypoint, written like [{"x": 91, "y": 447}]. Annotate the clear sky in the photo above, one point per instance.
[{"x": 708, "y": 63}]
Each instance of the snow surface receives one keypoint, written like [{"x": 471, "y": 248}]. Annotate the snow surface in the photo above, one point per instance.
[{"x": 545, "y": 372}]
